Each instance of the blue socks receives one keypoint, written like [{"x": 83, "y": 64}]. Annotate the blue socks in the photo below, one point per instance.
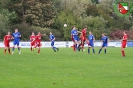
[
  {"x": 89, "y": 50},
  {"x": 100, "y": 50},
  {"x": 93, "y": 51},
  {"x": 105, "y": 51},
  {"x": 13, "y": 48}
]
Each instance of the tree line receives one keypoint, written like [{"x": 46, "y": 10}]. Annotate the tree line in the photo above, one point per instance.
[{"x": 50, "y": 15}]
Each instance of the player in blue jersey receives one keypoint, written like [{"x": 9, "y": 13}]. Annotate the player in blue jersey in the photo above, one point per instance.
[
  {"x": 16, "y": 37},
  {"x": 105, "y": 41},
  {"x": 91, "y": 40},
  {"x": 76, "y": 38},
  {"x": 73, "y": 40},
  {"x": 52, "y": 38}
]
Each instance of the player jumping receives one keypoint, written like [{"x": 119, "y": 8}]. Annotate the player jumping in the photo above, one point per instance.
[
  {"x": 76, "y": 38},
  {"x": 105, "y": 42},
  {"x": 73, "y": 40},
  {"x": 16, "y": 37},
  {"x": 124, "y": 43},
  {"x": 32, "y": 39},
  {"x": 52, "y": 38},
  {"x": 91, "y": 40},
  {"x": 7, "y": 39},
  {"x": 83, "y": 38},
  {"x": 38, "y": 42}
]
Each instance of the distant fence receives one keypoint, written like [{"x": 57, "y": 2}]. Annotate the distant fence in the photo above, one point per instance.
[{"x": 65, "y": 44}]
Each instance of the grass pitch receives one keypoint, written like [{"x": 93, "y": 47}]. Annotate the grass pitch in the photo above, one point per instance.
[{"x": 66, "y": 69}]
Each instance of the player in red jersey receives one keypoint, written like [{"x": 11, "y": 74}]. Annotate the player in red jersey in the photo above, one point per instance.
[
  {"x": 38, "y": 41},
  {"x": 7, "y": 39},
  {"x": 32, "y": 39},
  {"x": 83, "y": 38},
  {"x": 124, "y": 43}
]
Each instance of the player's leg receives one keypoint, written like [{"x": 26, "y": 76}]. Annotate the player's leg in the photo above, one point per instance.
[
  {"x": 101, "y": 49},
  {"x": 83, "y": 41},
  {"x": 18, "y": 47},
  {"x": 55, "y": 47},
  {"x": 122, "y": 49},
  {"x": 52, "y": 46},
  {"x": 13, "y": 48},
  {"x": 93, "y": 48},
  {"x": 74, "y": 49},
  {"x": 31, "y": 47},
  {"x": 89, "y": 49},
  {"x": 9, "y": 48},
  {"x": 105, "y": 49},
  {"x": 5, "y": 49},
  {"x": 39, "y": 48}
]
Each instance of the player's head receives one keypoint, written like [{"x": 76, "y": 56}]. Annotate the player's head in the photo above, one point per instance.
[
  {"x": 103, "y": 34},
  {"x": 33, "y": 33},
  {"x": 39, "y": 33},
  {"x": 90, "y": 32},
  {"x": 50, "y": 33},
  {"x": 74, "y": 28},
  {"x": 124, "y": 32},
  {"x": 8, "y": 32},
  {"x": 16, "y": 30},
  {"x": 85, "y": 28}
]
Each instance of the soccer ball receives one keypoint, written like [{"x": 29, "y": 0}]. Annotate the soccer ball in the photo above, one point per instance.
[{"x": 65, "y": 25}]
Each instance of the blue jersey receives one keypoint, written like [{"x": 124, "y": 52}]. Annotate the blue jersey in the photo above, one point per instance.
[
  {"x": 16, "y": 36},
  {"x": 72, "y": 32},
  {"x": 91, "y": 38},
  {"x": 75, "y": 33},
  {"x": 105, "y": 39},
  {"x": 51, "y": 37}
]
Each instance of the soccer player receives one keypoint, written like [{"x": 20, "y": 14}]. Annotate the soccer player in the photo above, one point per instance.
[
  {"x": 7, "y": 39},
  {"x": 124, "y": 43},
  {"x": 83, "y": 38},
  {"x": 38, "y": 42},
  {"x": 105, "y": 42},
  {"x": 52, "y": 38},
  {"x": 73, "y": 40},
  {"x": 32, "y": 39},
  {"x": 91, "y": 40},
  {"x": 76, "y": 38},
  {"x": 16, "y": 37}
]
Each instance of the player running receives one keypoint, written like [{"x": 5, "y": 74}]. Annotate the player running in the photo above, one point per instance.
[
  {"x": 83, "y": 38},
  {"x": 73, "y": 40},
  {"x": 52, "y": 38},
  {"x": 16, "y": 37},
  {"x": 105, "y": 42},
  {"x": 76, "y": 38},
  {"x": 38, "y": 42},
  {"x": 91, "y": 40},
  {"x": 124, "y": 43},
  {"x": 7, "y": 39},
  {"x": 32, "y": 39}
]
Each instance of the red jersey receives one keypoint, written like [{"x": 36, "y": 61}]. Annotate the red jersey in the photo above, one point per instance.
[
  {"x": 84, "y": 33},
  {"x": 38, "y": 38},
  {"x": 7, "y": 38},
  {"x": 124, "y": 38},
  {"x": 32, "y": 38}
]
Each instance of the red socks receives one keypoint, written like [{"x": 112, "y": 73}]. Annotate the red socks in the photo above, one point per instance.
[
  {"x": 9, "y": 51},
  {"x": 38, "y": 51},
  {"x": 31, "y": 48},
  {"x": 4, "y": 51},
  {"x": 123, "y": 53}
]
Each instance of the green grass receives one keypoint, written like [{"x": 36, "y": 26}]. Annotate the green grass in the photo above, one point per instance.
[{"x": 66, "y": 69}]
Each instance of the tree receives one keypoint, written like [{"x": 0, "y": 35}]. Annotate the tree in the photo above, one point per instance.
[
  {"x": 35, "y": 12},
  {"x": 4, "y": 27}
]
